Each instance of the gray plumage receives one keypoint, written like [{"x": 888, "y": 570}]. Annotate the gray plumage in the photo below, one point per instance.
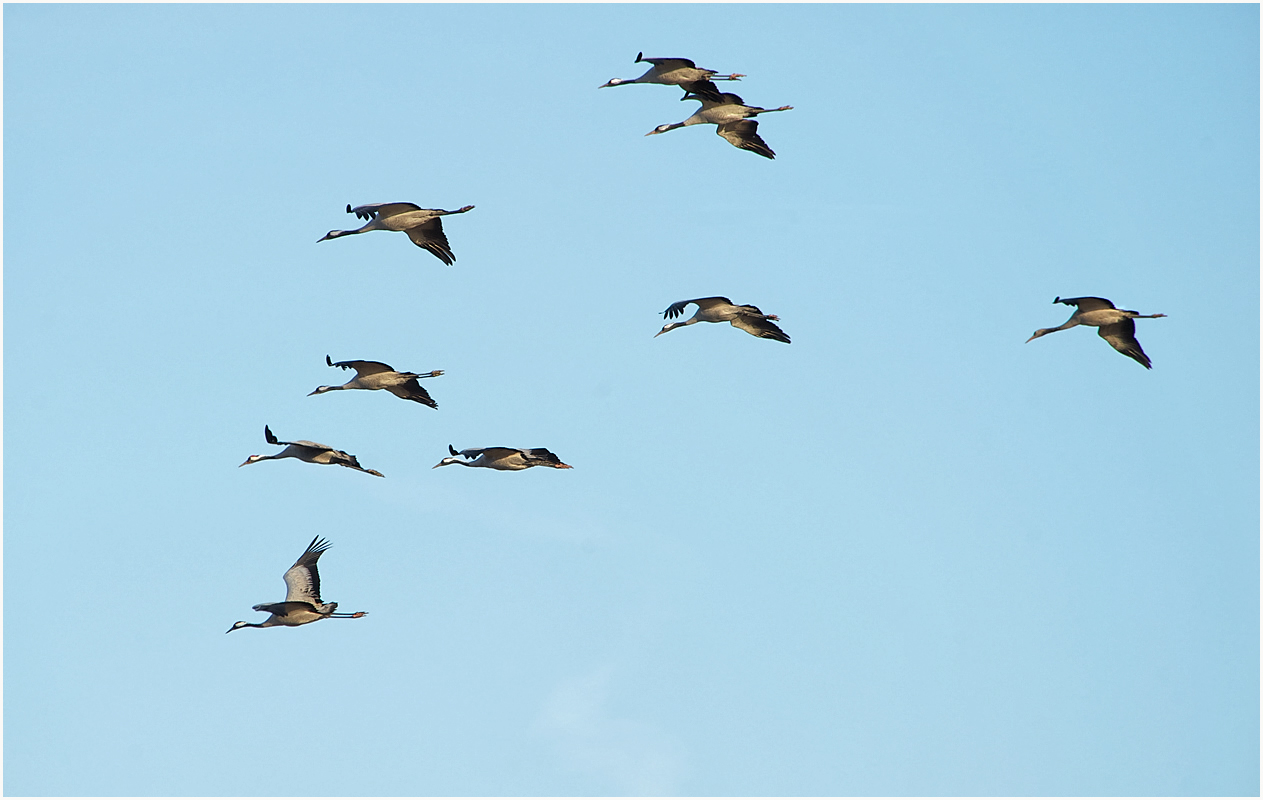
[
  {"x": 731, "y": 118},
  {"x": 372, "y": 375},
  {"x": 676, "y": 72},
  {"x": 302, "y": 603},
  {"x": 503, "y": 458},
  {"x": 1114, "y": 325},
  {"x": 720, "y": 309},
  {"x": 423, "y": 225},
  {"x": 311, "y": 452}
]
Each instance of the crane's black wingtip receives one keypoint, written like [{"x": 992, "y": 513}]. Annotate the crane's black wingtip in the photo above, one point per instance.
[
  {"x": 452, "y": 450},
  {"x": 639, "y": 57}
]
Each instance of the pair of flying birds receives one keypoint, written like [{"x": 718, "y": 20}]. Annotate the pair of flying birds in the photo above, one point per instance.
[{"x": 728, "y": 112}]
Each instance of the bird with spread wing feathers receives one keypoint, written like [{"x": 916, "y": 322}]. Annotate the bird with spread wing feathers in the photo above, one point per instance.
[
  {"x": 730, "y": 115},
  {"x": 302, "y": 596},
  {"x": 376, "y": 375},
  {"x": 676, "y": 72},
  {"x": 505, "y": 458},
  {"x": 423, "y": 225},
  {"x": 1114, "y": 325},
  {"x": 720, "y": 309},
  {"x": 311, "y": 452}
]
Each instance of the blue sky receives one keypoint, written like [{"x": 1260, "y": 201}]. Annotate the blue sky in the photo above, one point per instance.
[{"x": 906, "y": 554}]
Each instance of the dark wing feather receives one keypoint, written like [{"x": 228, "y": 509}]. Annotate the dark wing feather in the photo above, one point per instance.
[
  {"x": 665, "y": 64},
  {"x": 286, "y": 608},
  {"x": 371, "y": 210},
  {"x": 317, "y": 446},
  {"x": 429, "y": 235},
  {"x": 743, "y": 134},
  {"x": 1122, "y": 337},
  {"x": 411, "y": 390},
  {"x": 492, "y": 453},
  {"x": 541, "y": 455},
  {"x": 1085, "y": 303},
  {"x": 676, "y": 309},
  {"x": 705, "y": 90},
  {"x": 760, "y": 327},
  {"x": 344, "y": 459},
  {"x": 363, "y": 367}
]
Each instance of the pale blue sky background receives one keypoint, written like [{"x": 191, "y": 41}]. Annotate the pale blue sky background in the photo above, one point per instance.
[{"x": 907, "y": 554}]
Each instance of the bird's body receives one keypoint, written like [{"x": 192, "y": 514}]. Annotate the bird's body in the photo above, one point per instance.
[
  {"x": 676, "y": 72},
  {"x": 1114, "y": 325},
  {"x": 373, "y": 375},
  {"x": 730, "y": 115},
  {"x": 423, "y": 225},
  {"x": 302, "y": 596},
  {"x": 311, "y": 452},
  {"x": 503, "y": 458},
  {"x": 720, "y": 309}
]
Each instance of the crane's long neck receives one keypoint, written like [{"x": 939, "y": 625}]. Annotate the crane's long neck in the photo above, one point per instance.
[
  {"x": 672, "y": 326},
  {"x": 257, "y": 459},
  {"x": 453, "y": 460},
  {"x": 1070, "y": 323},
  {"x": 323, "y": 389},
  {"x": 372, "y": 225}
]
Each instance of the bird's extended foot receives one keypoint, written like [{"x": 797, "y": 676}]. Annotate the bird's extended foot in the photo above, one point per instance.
[
  {"x": 359, "y": 614},
  {"x": 785, "y": 108},
  {"x": 772, "y": 317},
  {"x": 736, "y": 76}
]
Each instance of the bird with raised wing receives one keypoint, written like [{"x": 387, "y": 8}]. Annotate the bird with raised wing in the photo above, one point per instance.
[
  {"x": 504, "y": 458},
  {"x": 376, "y": 375},
  {"x": 676, "y": 72},
  {"x": 424, "y": 226},
  {"x": 311, "y": 452},
  {"x": 302, "y": 596},
  {"x": 1114, "y": 325},
  {"x": 730, "y": 115},
  {"x": 720, "y": 309}
]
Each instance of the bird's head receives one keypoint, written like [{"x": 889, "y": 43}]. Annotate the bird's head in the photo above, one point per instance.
[
  {"x": 330, "y": 235},
  {"x": 1039, "y": 333},
  {"x": 446, "y": 461},
  {"x": 612, "y": 82},
  {"x": 238, "y": 626},
  {"x": 320, "y": 390},
  {"x": 250, "y": 460},
  {"x": 662, "y": 129}
]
